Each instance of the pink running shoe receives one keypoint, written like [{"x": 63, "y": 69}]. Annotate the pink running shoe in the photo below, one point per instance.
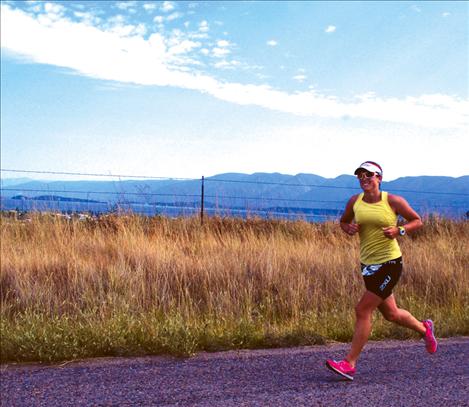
[
  {"x": 342, "y": 367},
  {"x": 429, "y": 337}
]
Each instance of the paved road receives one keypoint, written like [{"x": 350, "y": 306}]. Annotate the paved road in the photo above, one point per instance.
[{"x": 392, "y": 373}]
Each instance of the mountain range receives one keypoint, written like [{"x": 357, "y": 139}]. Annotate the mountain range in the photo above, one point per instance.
[{"x": 270, "y": 192}]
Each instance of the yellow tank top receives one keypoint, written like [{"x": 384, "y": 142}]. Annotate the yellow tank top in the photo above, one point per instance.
[{"x": 375, "y": 248}]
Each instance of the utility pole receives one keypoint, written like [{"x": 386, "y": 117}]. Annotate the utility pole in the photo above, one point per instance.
[{"x": 202, "y": 203}]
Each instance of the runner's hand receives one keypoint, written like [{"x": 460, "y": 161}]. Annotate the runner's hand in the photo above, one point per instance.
[
  {"x": 350, "y": 228},
  {"x": 391, "y": 232}
]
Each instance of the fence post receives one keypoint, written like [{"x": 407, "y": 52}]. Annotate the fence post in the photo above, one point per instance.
[{"x": 202, "y": 203}]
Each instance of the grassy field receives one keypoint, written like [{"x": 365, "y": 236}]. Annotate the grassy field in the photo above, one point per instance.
[{"x": 132, "y": 285}]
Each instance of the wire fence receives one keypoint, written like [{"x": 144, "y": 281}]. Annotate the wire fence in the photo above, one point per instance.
[{"x": 171, "y": 196}]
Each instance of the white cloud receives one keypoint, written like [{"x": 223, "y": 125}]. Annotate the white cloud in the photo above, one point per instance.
[
  {"x": 53, "y": 12},
  {"x": 223, "y": 43},
  {"x": 125, "y": 5},
  {"x": 203, "y": 26},
  {"x": 149, "y": 6},
  {"x": 87, "y": 18},
  {"x": 300, "y": 77},
  {"x": 36, "y": 8},
  {"x": 168, "y": 6},
  {"x": 54, "y": 8},
  {"x": 124, "y": 56},
  {"x": 224, "y": 64},
  {"x": 174, "y": 16},
  {"x": 330, "y": 29},
  {"x": 129, "y": 30},
  {"x": 183, "y": 47},
  {"x": 171, "y": 17},
  {"x": 78, "y": 6},
  {"x": 446, "y": 14},
  {"x": 220, "y": 52},
  {"x": 416, "y": 8},
  {"x": 116, "y": 24},
  {"x": 177, "y": 34},
  {"x": 158, "y": 19},
  {"x": 117, "y": 19},
  {"x": 197, "y": 35},
  {"x": 272, "y": 43},
  {"x": 140, "y": 29}
]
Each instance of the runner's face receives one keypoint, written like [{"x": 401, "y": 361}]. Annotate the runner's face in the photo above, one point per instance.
[{"x": 368, "y": 180}]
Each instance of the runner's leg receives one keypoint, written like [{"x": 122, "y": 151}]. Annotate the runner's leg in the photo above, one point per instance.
[
  {"x": 363, "y": 311},
  {"x": 400, "y": 316}
]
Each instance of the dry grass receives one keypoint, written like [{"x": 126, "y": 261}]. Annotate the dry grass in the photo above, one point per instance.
[{"x": 132, "y": 285}]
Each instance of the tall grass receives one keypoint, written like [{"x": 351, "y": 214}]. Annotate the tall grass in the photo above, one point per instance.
[{"x": 128, "y": 285}]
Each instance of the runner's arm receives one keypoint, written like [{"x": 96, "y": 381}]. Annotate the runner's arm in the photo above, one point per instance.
[
  {"x": 347, "y": 218},
  {"x": 402, "y": 207}
]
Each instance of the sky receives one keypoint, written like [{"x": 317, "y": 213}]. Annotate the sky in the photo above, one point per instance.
[{"x": 185, "y": 89}]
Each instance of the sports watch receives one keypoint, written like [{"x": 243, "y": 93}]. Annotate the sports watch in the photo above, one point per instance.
[{"x": 401, "y": 230}]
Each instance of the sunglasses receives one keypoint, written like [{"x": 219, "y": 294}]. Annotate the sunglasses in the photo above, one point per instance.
[{"x": 365, "y": 174}]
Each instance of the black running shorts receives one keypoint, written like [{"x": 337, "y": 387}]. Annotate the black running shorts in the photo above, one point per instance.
[{"x": 380, "y": 279}]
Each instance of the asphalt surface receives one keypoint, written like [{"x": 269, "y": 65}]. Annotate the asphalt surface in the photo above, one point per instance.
[{"x": 391, "y": 373}]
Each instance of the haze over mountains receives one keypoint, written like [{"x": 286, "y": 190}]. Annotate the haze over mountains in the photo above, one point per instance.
[{"x": 274, "y": 192}]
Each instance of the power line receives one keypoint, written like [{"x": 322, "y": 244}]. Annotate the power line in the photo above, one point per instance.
[
  {"x": 96, "y": 192},
  {"x": 96, "y": 175},
  {"x": 218, "y": 197},
  {"x": 429, "y": 192},
  {"x": 228, "y": 181},
  {"x": 267, "y": 211},
  {"x": 172, "y": 195},
  {"x": 278, "y": 183},
  {"x": 228, "y": 211},
  {"x": 273, "y": 199},
  {"x": 330, "y": 186},
  {"x": 287, "y": 212}
]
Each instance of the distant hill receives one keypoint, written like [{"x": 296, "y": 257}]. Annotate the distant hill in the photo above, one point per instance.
[
  {"x": 9, "y": 182},
  {"x": 259, "y": 191}
]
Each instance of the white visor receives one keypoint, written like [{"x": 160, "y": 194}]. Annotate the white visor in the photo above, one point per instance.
[{"x": 369, "y": 167}]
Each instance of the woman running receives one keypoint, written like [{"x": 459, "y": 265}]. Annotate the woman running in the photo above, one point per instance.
[{"x": 373, "y": 214}]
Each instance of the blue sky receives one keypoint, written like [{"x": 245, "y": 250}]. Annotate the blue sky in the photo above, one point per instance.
[{"x": 184, "y": 89}]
